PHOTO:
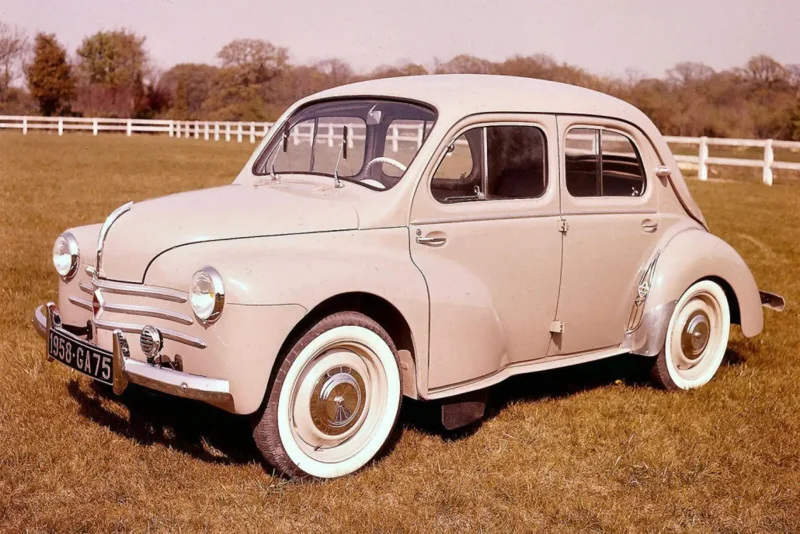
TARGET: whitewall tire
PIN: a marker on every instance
(334, 401)
(697, 338)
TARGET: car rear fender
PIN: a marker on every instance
(682, 259)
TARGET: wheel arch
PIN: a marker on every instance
(376, 308)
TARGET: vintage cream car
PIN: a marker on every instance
(424, 237)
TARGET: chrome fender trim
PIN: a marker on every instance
(648, 339)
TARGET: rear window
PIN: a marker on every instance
(602, 163)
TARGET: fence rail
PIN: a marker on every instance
(228, 130)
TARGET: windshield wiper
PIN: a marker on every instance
(342, 153)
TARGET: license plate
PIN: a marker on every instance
(80, 355)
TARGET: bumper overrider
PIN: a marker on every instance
(126, 370)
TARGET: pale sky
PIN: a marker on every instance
(603, 36)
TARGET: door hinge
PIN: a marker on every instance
(556, 327)
(563, 226)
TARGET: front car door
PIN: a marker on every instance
(485, 234)
(609, 202)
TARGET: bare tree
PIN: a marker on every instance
(13, 46)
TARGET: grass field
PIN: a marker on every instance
(588, 448)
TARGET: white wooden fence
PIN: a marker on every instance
(218, 130)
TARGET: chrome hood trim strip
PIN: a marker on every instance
(101, 238)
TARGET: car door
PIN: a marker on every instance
(608, 200)
(484, 234)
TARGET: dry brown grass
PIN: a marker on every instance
(588, 448)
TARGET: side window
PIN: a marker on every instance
(493, 163)
(602, 163)
(623, 175)
(516, 162)
(460, 170)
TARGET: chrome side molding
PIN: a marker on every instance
(642, 290)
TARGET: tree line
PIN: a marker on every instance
(111, 74)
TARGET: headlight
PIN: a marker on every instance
(66, 256)
(207, 294)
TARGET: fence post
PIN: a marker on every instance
(216, 131)
(769, 158)
(171, 128)
(95, 127)
(178, 129)
(24, 125)
(239, 132)
(330, 135)
(197, 129)
(420, 133)
(130, 127)
(702, 160)
(395, 136)
(61, 126)
(252, 132)
(227, 131)
(266, 128)
(205, 133)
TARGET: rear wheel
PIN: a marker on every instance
(335, 399)
(697, 338)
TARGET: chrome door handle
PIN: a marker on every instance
(433, 241)
(649, 225)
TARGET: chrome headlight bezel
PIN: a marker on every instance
(210, 278)
(70, 244)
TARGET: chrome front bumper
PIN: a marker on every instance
(126, 370)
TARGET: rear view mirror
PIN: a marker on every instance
(345, 137)
(374, 116)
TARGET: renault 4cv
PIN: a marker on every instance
(425, 237)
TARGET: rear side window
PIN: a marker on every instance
(602, 163)
(493, 163)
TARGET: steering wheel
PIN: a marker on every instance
(382, 159)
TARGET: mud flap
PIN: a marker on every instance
(462, 410)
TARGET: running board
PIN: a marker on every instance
(542, 364)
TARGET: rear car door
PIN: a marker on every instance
(609, 202)
(484, 233)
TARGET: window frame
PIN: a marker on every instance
(484, 161)
(600, 129)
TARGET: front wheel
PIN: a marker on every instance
(697, 338)
(335, 399)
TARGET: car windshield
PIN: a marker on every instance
(383, 137)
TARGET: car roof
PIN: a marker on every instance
(463, 94)
(457, 95)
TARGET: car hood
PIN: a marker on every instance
(230, 212)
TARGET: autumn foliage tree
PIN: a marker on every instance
(49, 76)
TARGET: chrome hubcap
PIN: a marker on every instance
(695, 335)
(337, 400)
